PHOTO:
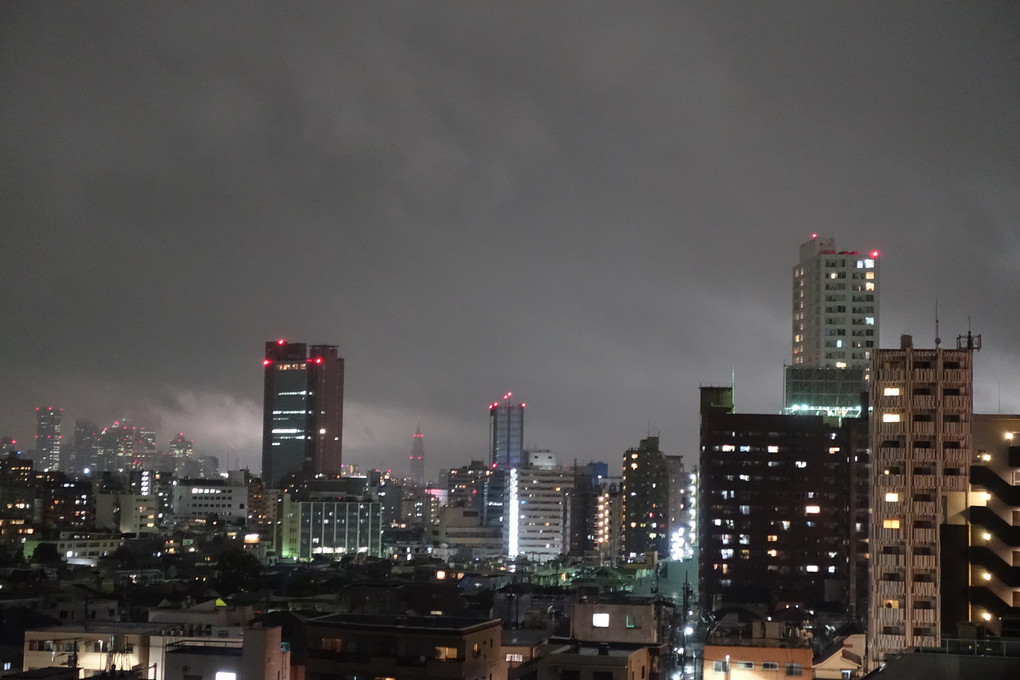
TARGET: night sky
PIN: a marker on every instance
(596, 206)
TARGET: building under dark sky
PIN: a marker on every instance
(302, 421)
(774, 509)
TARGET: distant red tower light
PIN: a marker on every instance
(266, 362)
(281, 341)
(874, 253)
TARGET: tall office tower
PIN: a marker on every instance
(49, 453)
(537, 513)
(303, 411)
(506, 433)
(835, 326)
(86, 446)
(417, 457)
(645, 500)
(920, 452)
(774, 523)
(988, 585)
(506, 451)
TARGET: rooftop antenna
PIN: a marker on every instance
(938, 340)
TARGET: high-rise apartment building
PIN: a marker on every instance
(921, 449)
(774, 519)
(645, 500)
(835, 306)
(49, 451)
(835, 329)
(417, 457)
(302, 419)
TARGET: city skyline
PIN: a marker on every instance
(596, 210)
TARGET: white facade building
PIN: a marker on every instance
(835, 306)
(203, 497)
(537, 507)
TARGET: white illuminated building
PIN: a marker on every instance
(204, 497)
(537, 507)
(835, 306)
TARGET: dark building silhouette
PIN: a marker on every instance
(775, 523)
(302, 420)
(645, 494)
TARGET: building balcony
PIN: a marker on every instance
(924, 615)
(955, 428)
(923, 401)
(890, 481)
(891, 428)
(889, 561)
(924, 481)
(961, 403)
(923, 589)
(922, 427)
(922, 561)
(954, 375)
(923, 536)
(888, 616)
(922, 508)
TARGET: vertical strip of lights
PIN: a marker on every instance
(513, 516)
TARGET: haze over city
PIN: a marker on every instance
(597, 209)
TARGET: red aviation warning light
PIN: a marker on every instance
(266, 362)
(874, 253)
(281, 341)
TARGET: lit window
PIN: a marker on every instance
(813, 568)
(891, 392)
(773, 553)
(772, 538)
(225, 675)
(812, 510)
(600, 620)
(890, 417)
(892, 497)
(773, 449)
(890, 524)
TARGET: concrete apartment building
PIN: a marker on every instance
(921, 452)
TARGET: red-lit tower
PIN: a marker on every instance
(302, 420)
(417, 457)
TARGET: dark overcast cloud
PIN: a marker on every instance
(595, 206)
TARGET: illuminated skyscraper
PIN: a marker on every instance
(835, 306)
(506, 433)
(302, 420)
(48, 447)
(835, 329)
(417, 457)
(506, 452)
